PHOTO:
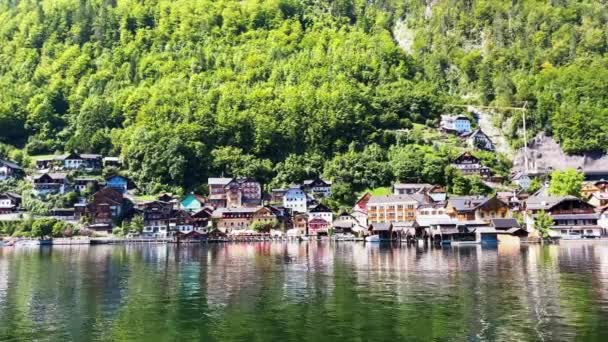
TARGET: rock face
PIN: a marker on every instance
(546, 155)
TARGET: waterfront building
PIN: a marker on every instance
(300, 222)
(322, 212)
(157, 216)
(318, 226)
(572, 217)
(82, 184)
(230, 220)
(392, 208)
(477, 208)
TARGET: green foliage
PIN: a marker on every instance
(566, 182)
(417, 164)
(542, 224)
(187, 89)
(551, 54)
(137, 224)
(43, 227)
(264, 227)
(535, 185)
(469, 185)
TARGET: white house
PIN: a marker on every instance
(321, 212)
(456, 124)
(295, 199)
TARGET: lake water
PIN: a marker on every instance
(304, 292)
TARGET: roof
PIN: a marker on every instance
(412, 185)
(465, 203)
(435, 221)
(546, 202)
(504, 223)
(393, 199)
(221, 211)
(381, 226)
(90, 156)
(10, 164)
(342, 224)
(117, 159)
(575, 217)
(219, 181)
(52, 175)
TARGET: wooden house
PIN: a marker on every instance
(9, 169)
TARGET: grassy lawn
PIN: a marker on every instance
(382, 191)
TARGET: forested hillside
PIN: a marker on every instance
(273, 89)
(551, 53)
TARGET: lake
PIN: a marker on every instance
(311, 291)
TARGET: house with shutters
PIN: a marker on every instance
(157, 216)
(231, 220)
(9, 169)
(317, 187)
(120, 183)
(9, 202)
(572, 217)
(50, 183)
(105, 207)
(477, 208)
(481, 141)
(469, 165)
(322, 212)
(455, 124)
(83, 161)
(393, 208)
(295, 199)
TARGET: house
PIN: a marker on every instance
(192, 202)
(9, 169)
(295, 199)
(119, 183)
(359, 211)
(477, 208)
(508, 230)
(74, 161)
(589, 188)
(456, 124)
(318, 227)
(230, 220)
(217, 193)
(276, 195)
(246, 192)
(82, 184)
(300, 222)
(202, 219)
(481, 141)
(392, 208)
(432, 211)
(106, 206)
(410, 188)
(9, 202)
(50, 183)
(45, 163)
(522, 180)
(469, 165)
(603, 219)
(317, 187)
(283, 217)
(181, 223)
(572, 217)
(321, 211)
(157, 216)
(265, 215)
(599, 199)
(383, 229)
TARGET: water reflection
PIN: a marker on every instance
(304, 291)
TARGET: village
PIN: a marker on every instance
(240, 209)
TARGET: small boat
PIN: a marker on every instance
(304, 238)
